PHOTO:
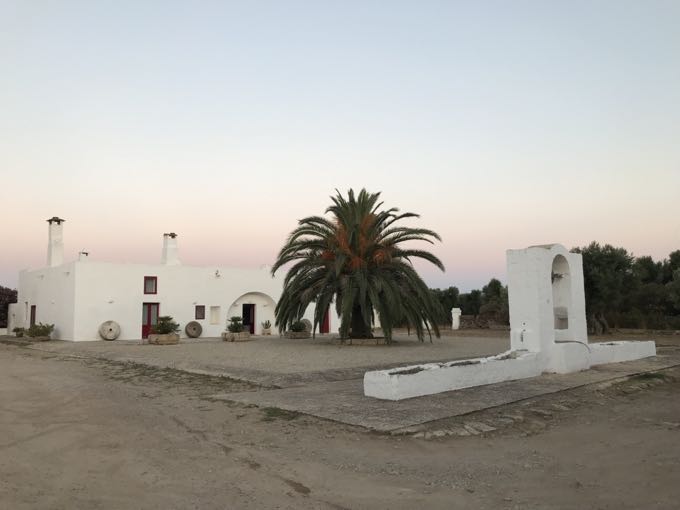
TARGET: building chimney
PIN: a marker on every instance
(170, 255)
(55, 242)
(82, 256)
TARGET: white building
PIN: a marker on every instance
(78, 296)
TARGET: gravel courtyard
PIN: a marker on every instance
(84, 433)
(278, 361)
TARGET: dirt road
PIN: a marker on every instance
(100, 435)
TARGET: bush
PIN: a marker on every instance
(634, 319)
(267, 324)
(673, 322)
(19, 332)
(297, 327)
(165, 325)
(40, 329)
(235, 325)
(7, 296)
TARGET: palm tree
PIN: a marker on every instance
(358, 260)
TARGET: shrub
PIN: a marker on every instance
(40, 329)
(165, 325)
(297, 327)
(267, 324)
(673, 322)
(19, 332)
(235, 325)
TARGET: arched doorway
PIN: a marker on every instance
(254, 308)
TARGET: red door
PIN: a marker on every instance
(32, 315)
(326, 324)
(149, 317)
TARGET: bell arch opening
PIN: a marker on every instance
(561, 292)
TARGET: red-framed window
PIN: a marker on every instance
(200, 312)
(150, 285)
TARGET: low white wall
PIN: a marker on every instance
(564, 358)
(419, 380)
(616, 352)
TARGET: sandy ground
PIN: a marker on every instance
(95, 434)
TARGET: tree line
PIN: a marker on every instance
(621, 291)
(7, 296)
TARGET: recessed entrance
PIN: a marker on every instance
(254, 308)
(149, 317)
(248, 314)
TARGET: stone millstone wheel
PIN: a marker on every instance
(109, 330)
(308, 325)
(193, 329)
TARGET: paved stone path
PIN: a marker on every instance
(345, 402)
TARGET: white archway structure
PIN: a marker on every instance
(548, 333)
(548, 307)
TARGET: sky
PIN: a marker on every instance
(503, 124)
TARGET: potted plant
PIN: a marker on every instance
(298, 329)
(235, 331)
(19, 332)
(267, 328)
(164, 332)
(40, 332)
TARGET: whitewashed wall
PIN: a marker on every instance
(108, 291)
(79, 296)
(52, 291)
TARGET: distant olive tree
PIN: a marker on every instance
(621, 291)
(495, 302)
(7, 296)
(470, 302)
(607, 275)
(448, 299)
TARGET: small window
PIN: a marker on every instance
(214, 315)
(200, 312)
(150, 284)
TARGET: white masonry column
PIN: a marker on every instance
(55, 242)
(170, 255)
(455, 318)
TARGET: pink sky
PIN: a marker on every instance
(248, 231)
(503, 124)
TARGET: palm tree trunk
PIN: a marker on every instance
(358, 328)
